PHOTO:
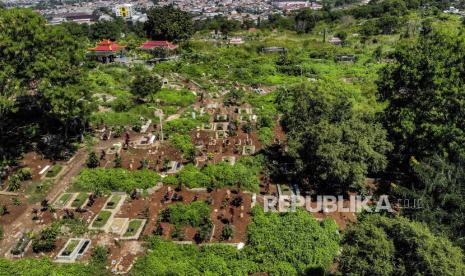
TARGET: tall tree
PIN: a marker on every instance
(396, 246)
(334, 146)
(425, 91)
(169, 23)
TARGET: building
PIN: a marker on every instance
(124, 10)
(106, 51)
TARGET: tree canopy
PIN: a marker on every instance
(425, 91)
(396, 246)
(333, 145)
(168, 23)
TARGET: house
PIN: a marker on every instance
(106, 51)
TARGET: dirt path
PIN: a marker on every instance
(24, 222)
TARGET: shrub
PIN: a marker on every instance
(195, 214)
(45, 242)
(227, 233)
(24, 174)
(115, 179)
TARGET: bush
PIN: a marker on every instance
(195, 214)
(227, 233)
(115, 179)
(45, 242)
(92, 160)
(24, 174)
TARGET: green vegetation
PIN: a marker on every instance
(117, 179)
(184, 144)
(195, 214)
(37, 191)
(396, 246)
(243, 174)
(333, 145)
(311, 248)
(45, 240)
(45, 266)
(102, 219)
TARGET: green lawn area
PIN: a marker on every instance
(133, 227)
(79, 200)
(102, 219)
(113, 202)
(54, 171)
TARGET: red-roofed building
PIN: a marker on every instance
(164, 44)
(106, 51)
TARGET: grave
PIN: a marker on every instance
(64, 200)
(21, 246)
(133, 229)
(114, 149)
(145, 126)
(144, 142)
(248, 150)
(73, 249)
(229, 159)
(118, 226)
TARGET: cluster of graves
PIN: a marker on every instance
(225, 138)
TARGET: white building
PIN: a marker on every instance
(124, 10)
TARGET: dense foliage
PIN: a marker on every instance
(396, 246)
(333, 145)
(244, 175)
(195, 214)
(280, 244)
(108, 180)
(168, 23)
(424, 87)
(45, 267)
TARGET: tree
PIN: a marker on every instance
(168, 23)
(112, 30)
(145, 84)
(439, 187)
(334, 146)
(35, 57)
(424, 89)
(306, 20)
(396, 246)
(92, 160)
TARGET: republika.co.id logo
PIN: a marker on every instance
(330, 204)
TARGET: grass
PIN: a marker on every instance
(54, 171)
(70, 247)
(102, 219)
(113, 202)
(64, 199)
(133, 227)
(37, 191)
(79, 200)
